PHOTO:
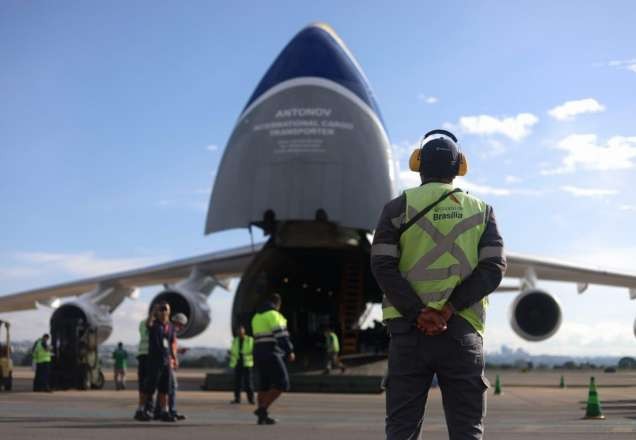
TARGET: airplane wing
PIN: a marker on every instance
(221, 265)
(522, 266)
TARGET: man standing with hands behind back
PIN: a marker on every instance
(436, 254)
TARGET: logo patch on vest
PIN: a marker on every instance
(447, 213)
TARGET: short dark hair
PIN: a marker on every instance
(45, 335)
(275, 299)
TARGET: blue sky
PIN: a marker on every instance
(114, 116)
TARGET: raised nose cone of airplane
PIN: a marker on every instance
(309, 143)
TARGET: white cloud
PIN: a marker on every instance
(513, 179)
(627, 64)
(7, 273)
(410, 179)
(569, 109)
(80, 264)
(481, 189)
(627, 207)
(428, 99)
(212, 147)
(588, 192)
(583, 150)
(513, 127)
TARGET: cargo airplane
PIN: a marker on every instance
(310, 163)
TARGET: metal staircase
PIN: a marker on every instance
(351, 304)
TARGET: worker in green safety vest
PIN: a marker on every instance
(271, 346)
(436, 255)
(242, 361)
(42, 360)
(332, 351)
(145, 403)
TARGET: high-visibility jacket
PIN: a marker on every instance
(269, 328)
(40, 354)
(441, 248)
(143, 339)
(332, 344)
(247, 351)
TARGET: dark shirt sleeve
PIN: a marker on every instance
(385, 258)
(283, 340)
(155, 334)
(490, 269)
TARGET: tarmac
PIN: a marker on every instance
(531, 406)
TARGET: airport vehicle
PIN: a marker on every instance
(6, 364)
(287, 169)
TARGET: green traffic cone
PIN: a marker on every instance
(562, 383)
(498, 391)
(593, 410)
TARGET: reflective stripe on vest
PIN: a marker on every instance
(248, 348)
(441, 249)
(269, 325)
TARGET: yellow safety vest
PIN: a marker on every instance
(144, 336)
(40, 354)
(266, 326)
(441, 249)
(333, 346)
(248, 349)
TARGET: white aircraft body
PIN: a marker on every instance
(310, 163)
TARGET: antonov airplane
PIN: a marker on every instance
(310, 163)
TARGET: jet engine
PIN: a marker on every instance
(78, 316)
(190, 297)
(77, 329)
(535, 315)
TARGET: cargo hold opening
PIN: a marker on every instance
(319, 287)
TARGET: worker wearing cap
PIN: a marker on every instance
(242, 361)
(436, 255)
(271, 346)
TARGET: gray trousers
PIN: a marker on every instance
(457, 357)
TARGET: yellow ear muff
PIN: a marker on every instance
(463, 165)
(415, 160)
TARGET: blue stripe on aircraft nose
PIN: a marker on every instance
(316, 51)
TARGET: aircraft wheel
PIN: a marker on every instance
(100, 381)
(8, 382)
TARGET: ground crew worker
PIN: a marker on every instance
(121, 363)
(242, 361)
(271, 345)
(42, 360)
(332, 350)
(161, 336)
(436, 254)
(142, 359)
(179, 320)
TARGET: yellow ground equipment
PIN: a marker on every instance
(6, 365)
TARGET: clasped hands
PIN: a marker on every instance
(432, 322)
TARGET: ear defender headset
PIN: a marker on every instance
(459, 165)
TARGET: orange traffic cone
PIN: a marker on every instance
(593, 410)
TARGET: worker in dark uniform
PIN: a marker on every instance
(436, 255)
(161, 337)
(242, 361)
(271, 346)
